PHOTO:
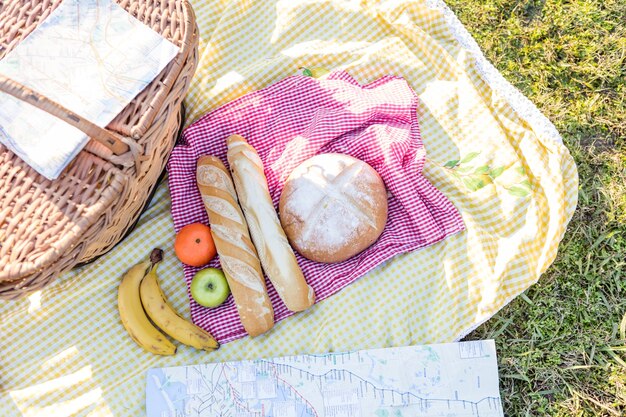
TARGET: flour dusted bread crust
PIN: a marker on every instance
(277, 257)
(238, 256)
(332, 207)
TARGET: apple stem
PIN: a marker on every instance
(156, 256)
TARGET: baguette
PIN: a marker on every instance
(275, 253)
(237, 254)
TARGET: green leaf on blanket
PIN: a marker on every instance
(482, 170)
(476, 177)
(317, 72)
(474, 182)
(469, 157)
(518, 191)
(496, 172)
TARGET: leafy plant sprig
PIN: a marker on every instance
(315, 72)
(476, 177)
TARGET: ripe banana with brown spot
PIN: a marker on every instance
(134, 317)
(167, 319)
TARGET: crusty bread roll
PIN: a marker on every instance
(332, 207)
(238, 256)
(277, 257)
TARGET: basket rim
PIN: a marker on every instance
(16, 272)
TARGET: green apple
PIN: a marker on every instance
(209, 287)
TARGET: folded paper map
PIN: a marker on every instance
(90, 56)
(453, 380)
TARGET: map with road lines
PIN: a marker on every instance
(451, 380)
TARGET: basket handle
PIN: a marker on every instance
(109, 139)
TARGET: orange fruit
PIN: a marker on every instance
(194, 245)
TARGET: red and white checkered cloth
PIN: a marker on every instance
(293, 120)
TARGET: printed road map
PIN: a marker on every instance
(454, 379)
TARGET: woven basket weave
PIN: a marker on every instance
(48, 227)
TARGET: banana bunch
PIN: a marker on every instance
(140, 299)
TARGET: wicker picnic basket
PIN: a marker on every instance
(48, 227)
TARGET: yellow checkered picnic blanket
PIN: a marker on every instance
(64, 351)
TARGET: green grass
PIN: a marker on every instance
(561, 345)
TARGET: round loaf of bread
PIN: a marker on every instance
(333, 206)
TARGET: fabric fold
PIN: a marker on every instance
(295, 119)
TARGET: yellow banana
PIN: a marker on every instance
(168, 320)
(133, 316)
